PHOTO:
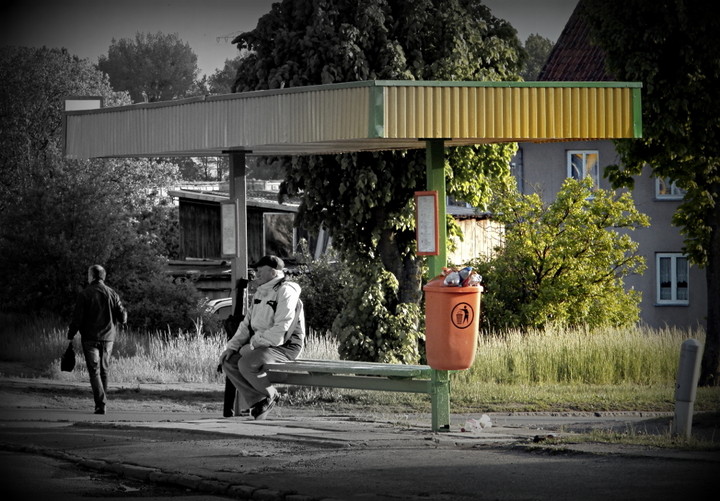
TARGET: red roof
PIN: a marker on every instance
(574, 57)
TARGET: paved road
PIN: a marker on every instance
(298, 455)
(37, 477)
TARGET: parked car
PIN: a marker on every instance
(221, 308)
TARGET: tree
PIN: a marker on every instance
(59, 216)
(35, 82)
(221, 82)
(672, 47)
(153, 67)
(365, 199)
(563, 263)
(538, 49)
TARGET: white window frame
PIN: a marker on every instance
(594, 171)
(676, 298)
(673, 193)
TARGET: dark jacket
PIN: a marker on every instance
(97, 310)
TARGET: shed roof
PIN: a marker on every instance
(359, 116)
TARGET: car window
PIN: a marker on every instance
(223, 312)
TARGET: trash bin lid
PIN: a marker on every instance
(437, 284)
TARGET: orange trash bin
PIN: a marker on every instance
(451, 324)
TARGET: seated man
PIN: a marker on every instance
(272, 331)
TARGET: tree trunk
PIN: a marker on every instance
(710, 368)
(406, 270)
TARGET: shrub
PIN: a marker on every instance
(161, 304)
(563, 263)
(324, 283)
(373, 326)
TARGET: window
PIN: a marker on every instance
(666, 190)
(517, 170)
(673, 275)
(582, 164)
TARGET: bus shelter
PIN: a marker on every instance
(350, 117)
(357, 116)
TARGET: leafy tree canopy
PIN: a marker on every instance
(538, 49)
(563, 263)
(365, 199)
(153, 67)
(672, 47)
(59, 216)
(35, 83)
(222, 81)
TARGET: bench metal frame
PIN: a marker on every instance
(370, 376)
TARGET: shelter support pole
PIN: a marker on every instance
(238, 196)
(239, 262)
(435, 168)
(435, 172)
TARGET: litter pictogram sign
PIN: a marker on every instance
(462, 315)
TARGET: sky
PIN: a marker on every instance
(87, 27)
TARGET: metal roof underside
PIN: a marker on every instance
(359, 116)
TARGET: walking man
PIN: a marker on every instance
(97, 310)
(272, 331)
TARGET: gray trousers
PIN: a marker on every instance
(97, 358)
(248, 375)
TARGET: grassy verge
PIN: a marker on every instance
(555, 370)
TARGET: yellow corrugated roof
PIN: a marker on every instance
(359, 116)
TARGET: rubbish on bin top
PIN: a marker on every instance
(464, 277)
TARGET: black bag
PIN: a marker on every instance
(67, 363)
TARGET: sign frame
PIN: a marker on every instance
(228, 229)
(427, 229)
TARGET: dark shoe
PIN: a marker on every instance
(99, 410)
(242, 413)
(260, 410)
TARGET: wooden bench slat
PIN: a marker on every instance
(406, 385)
(350, 367)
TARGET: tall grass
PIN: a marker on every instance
(632, 356)
(138, 357)
(580, 356)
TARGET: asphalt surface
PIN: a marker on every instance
(300, 454)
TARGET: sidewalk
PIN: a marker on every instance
(295, 457)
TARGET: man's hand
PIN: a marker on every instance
(225, 355)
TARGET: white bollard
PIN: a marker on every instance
(686, 387)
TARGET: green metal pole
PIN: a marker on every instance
(435, 168)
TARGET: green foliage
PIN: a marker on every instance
(158, 303)
(325, 286)
(153, 67)
(221, 82)
(672, 47)
(374, 326)
(563, 263)
(538, 49)
(35, 82)
(365, 199)
(161, 224)
(58, 216)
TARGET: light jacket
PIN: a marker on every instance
(269, 316)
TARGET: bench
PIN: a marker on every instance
(370, 376)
